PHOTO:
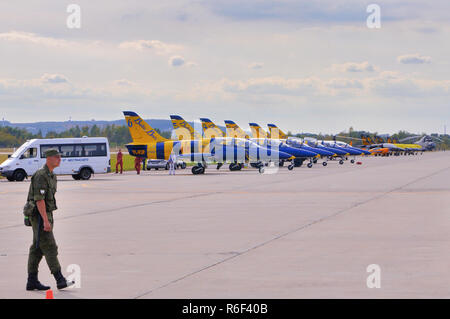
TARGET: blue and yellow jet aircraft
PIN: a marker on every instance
(149, 144)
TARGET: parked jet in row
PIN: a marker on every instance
(149, 144)
(233, 131)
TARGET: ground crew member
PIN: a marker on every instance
(144, 161)
(137, 164)
(42, 194)
(119, 162)
(172, 162)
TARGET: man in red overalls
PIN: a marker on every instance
(137, 164)
(119, 162)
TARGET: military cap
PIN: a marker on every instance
(51, 152)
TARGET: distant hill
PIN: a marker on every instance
(58, 127)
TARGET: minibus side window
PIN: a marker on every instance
(92, 150)
(46, 147)
(79, 150)
(67, 150)
(30, 153)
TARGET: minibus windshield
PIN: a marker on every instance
(19, 151)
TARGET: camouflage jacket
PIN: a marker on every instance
(43, 187)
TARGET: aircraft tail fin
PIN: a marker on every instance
(183, 129)
(233, 130)
(211, 130)
(141, 131)
(276, 133)
(378, 139)
(366, 140)
(257, 131)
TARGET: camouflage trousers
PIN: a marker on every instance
(44, 245)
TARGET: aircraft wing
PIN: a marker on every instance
(196, 157)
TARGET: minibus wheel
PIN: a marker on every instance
(19, 175)
(85, 173)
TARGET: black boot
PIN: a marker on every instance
(61, 282)
(34, 284)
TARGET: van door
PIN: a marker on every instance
(29, 160)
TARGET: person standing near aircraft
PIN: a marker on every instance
(137, 164)
(144, 161)
(119, 162)
(42, 194)
(171, 162)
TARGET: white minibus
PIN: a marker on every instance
(80, 157)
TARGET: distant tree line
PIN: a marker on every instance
(117, 134)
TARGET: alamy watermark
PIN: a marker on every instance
(374, 279)
(74, 19)
(374, 19)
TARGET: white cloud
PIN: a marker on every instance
(414, 59)
(124, 82)
(345, 84)
(54, 78)
(16, 36)
(57, 86)
(256, 65)
(176, 61)
(191, 64)
(273, 85)
(354, 67)
(155, 46)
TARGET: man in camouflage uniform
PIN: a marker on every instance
(42, 192)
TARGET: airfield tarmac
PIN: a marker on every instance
(306, 233)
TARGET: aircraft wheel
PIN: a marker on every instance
(309, 165)
(315, 160)
(234, 167)
(298, 162)
(324, 163)
(183, 166)
(261, 169)
(291, 167)
(341, 162)
(352, 161)
(197, 170)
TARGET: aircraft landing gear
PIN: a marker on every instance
(352, 161)
(235, 167)
(298, 162)
(324, 163)
(261, 169)
(291, 167)
(281, 163)
(310, 165)
(198, 169)
(219, 165)
(341, 162)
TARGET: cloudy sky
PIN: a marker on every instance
(304, 65)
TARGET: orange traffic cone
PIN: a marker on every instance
(49, 294)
